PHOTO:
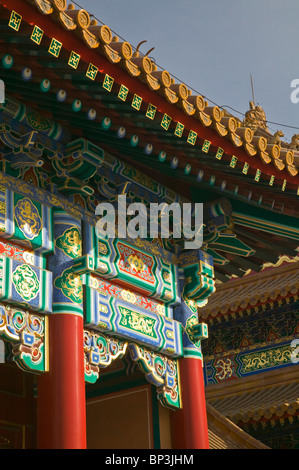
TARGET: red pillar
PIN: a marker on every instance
(189, 424)
(61, 412)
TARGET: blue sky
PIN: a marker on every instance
(214, 45)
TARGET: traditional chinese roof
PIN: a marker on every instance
(253, 290)
(183, 125)
(250, 139)
(224, 434)
(270, 397)
(270, 402)
(62, 65)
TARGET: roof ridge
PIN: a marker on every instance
(241, 140)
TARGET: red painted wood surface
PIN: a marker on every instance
(61, 412)
(189, 424)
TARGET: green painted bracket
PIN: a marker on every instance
(199, 331)
(83, 265)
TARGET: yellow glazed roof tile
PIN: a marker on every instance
(268, 403)
(264, 287)
(251, 135)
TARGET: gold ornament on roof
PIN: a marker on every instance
(61, 5)
(276, 138)
(255, 117)
(295, 142)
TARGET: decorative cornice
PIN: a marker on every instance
(269, 396)
(262, 288)
(282, 158)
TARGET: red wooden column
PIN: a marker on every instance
(61, 422)
(61, 408)
(189, 424)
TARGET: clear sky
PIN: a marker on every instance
(214, 45)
